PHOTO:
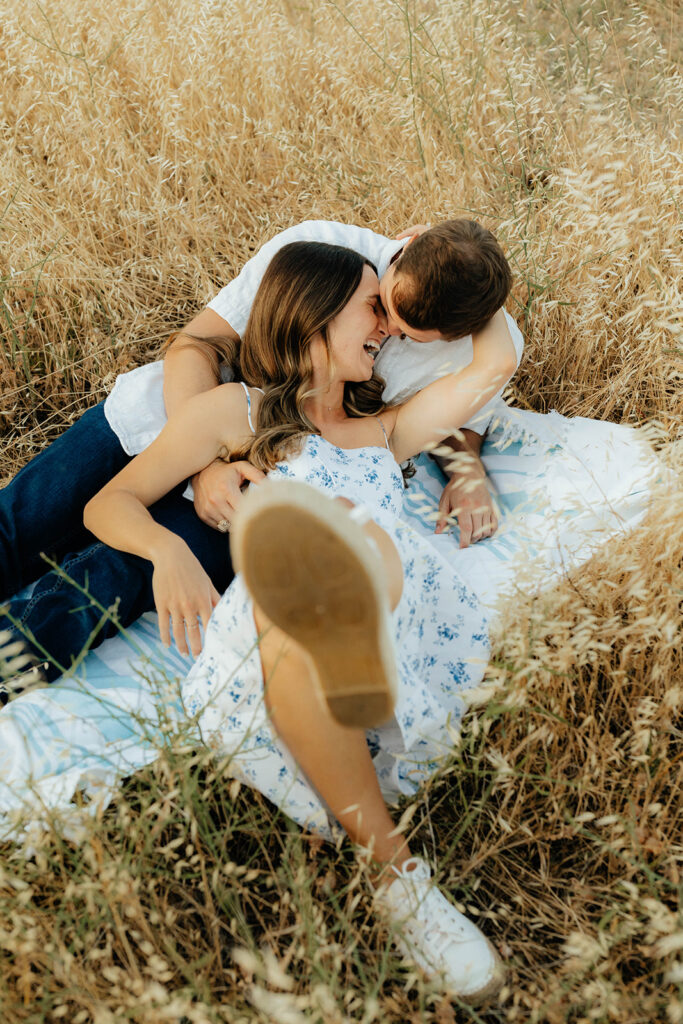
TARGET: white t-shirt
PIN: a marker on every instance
(135, 408)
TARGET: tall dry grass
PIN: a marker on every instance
(148, 149)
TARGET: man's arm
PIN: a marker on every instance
(187, 371)
(467, 496)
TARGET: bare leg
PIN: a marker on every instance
(307, 571)
(335, 759)
(333, 756)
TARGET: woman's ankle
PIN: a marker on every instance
(382, 872)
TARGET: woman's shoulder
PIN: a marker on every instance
(226, 407)
(238, 387)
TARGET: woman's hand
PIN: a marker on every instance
(183, 594)
(218, 490)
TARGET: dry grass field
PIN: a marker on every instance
(148, 148)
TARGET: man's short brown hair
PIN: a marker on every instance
(451, 278)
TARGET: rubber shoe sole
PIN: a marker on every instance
(491, 990)
(475, 997)
(317, 576)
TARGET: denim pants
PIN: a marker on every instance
(41, 513)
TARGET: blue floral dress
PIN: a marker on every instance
(564, 488)
(441, 649)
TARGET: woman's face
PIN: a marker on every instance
(355, 335)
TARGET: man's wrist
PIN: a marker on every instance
(465, 469)
(472, 440)
(463, 458)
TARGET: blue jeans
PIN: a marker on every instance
(41, 512)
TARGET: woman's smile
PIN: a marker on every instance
(372, 347)
(361, 324)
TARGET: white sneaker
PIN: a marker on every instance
(434, 935)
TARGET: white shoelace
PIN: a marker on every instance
(425, 904)
(426, 917)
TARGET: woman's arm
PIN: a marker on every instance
(438, 410)
(117, 515)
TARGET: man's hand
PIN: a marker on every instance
(466, 497)
(218, 490)
(415, 229)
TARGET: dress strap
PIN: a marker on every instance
(386, 439)
(246, 391)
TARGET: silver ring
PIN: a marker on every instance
(223, 526)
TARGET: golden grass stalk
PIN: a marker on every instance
(147, 150)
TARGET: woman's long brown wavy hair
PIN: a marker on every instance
(306, 285)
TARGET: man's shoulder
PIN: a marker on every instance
(334, 231)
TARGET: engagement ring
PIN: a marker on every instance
(223, 526)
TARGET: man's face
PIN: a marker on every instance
(395, 325)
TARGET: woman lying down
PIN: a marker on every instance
(333, 666)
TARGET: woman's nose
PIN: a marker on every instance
(382, 323)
